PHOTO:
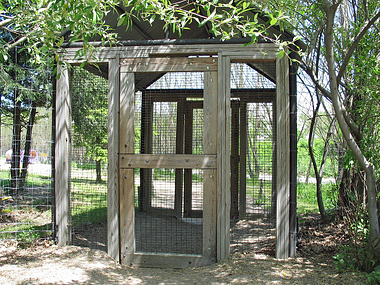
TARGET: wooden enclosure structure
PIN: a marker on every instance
(129, 68)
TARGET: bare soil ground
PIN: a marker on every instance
(49, 264)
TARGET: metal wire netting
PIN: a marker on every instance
(26, 157)
(88, 174)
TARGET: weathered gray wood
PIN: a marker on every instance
(243, 160)
(168, 64)
(223, 192)
(234, 159)
(102, 54)
(283, 158)
(126, 145)
(188, 178)
(179, 150)
(127, 213)
(113, 241)
(168, 260)
(127, 97)
(167, 161)
(146, 148)
(62, 160)
(210, 139)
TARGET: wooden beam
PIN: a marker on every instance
(113, 223)
(223, 192)
(179, 150)
(188, 177)
(62, 159)
(243, 160)
(126, 176)
(127, 213)
(104, 53)
(283, 158)
(168, 64)
(234, 159)
(167, 161)
(168, 260)
(210, 139)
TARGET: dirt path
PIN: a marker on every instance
(78, 265)
(49, 264)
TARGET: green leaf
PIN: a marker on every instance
(208, 18)
(281, 54)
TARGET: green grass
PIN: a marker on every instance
(307, 197)
(88, 201)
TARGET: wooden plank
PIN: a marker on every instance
(235, 159)
(243, 160)
(127, 109)
(179, 150)
(104, 53)
(113, 241)
(126, 179)
(168, 260)
(188, 177)
(167, 161)
(146, 182)
(62, 160)
(127, 213)
(283, 158)
(168, 64)
(210, 138)
(223, 195)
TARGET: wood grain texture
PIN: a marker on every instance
(283, 158)
(113, 241)
(62, 160)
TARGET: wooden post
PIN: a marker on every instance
(62, 159)
(223, 192)
(127, 136)
(243, 160)
(210, 175)
(283, 158)
(188, 195)
(235, 160)
(146, 147)
(113, 241)
(179, 150)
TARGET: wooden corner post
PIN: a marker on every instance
(223, 151)
(62, 159)
(283, 157)
(113, 233)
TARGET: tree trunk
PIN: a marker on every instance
(346, 131)
(98, 170)
(16, 142)
(28, 142)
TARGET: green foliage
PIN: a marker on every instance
(307, 201)
(42, 26)
(347, 258)
(374, 277)
(90, 113)
(27, 239)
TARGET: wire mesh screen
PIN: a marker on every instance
(26, 191)
(252, 146)
(88, 175)
(259, 159)
(169, 202)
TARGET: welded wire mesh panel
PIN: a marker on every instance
(169, 202)
(26, 191)
(253, 194)
(88, 174)
(259, 159)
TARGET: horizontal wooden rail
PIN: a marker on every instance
(189, 161)
(169, 64)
